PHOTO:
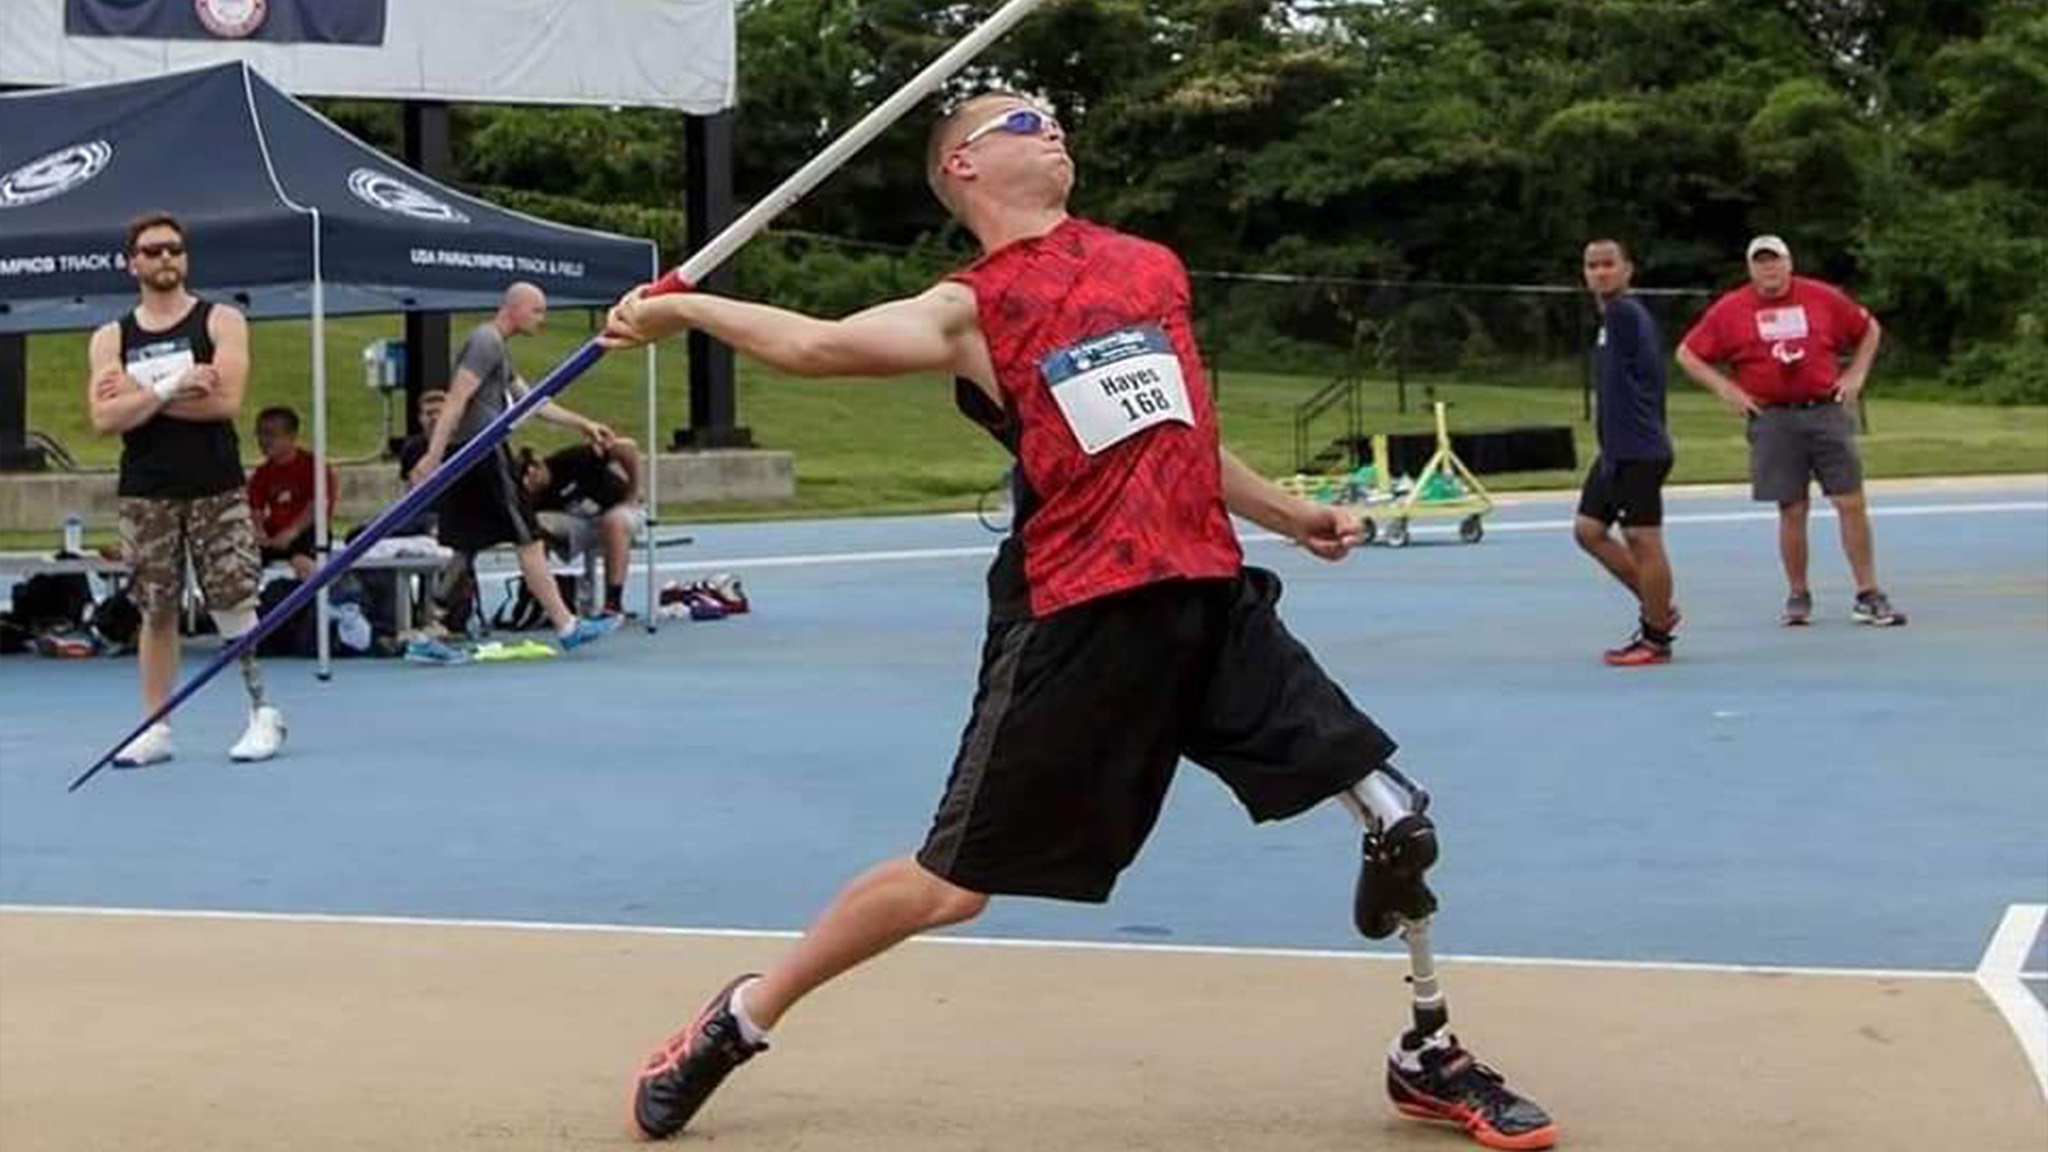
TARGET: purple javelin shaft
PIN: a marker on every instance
(408, 507)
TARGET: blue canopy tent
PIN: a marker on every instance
(288, 216)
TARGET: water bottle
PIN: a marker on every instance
(74, 534)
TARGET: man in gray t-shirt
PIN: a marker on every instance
(484, 356)
(487, 506)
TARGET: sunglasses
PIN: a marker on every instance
(155, 250)
(1015, 122)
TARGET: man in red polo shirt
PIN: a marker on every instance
(1783, 336)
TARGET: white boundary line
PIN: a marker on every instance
(1999, 975)
(909, 555)
(985, 942)
(958, 552)
(1771, 514)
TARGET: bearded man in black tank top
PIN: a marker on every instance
(169, 377)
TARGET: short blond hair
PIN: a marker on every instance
(939, 143)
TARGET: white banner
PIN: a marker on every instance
(638, 53)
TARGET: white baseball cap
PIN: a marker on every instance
(1769, 243)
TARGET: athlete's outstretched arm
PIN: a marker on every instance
(924, 333)
(1327, 531)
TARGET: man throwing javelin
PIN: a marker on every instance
(1124, 630)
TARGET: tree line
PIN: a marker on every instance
(1901, 146)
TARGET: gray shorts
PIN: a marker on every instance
(1789, 448)
(579, 534)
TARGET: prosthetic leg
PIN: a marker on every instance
(265, 734)
(1430, 1076)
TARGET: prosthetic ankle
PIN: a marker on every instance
(1399, 847)
(233, 624)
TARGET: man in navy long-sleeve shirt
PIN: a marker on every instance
(1625, 486)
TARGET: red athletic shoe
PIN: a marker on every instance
(728, 590)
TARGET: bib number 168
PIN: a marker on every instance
(1149, 402)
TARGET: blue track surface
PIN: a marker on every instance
(1839, 796)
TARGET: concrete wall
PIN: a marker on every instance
(39, 501)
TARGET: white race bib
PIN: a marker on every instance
(154, 362)
(1112, 387)
(1774, 324)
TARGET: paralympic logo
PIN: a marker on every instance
(231, 19)
(54, 174)
(390, 194)
(1787, 353)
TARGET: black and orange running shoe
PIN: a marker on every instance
(678, 1077)
(1442, 1082)
(1638, 652)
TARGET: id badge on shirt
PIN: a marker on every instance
(154, 362)
(1775, 324)
(1115, 386)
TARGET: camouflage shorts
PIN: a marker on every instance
(216, 532)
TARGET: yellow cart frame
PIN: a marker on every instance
(1399, 510)
(1469, 510)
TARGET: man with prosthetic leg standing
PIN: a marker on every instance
(1124, 631)
(168, 378)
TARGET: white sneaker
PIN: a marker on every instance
(263, 738)
(153, 746)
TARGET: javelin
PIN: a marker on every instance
(680, 279)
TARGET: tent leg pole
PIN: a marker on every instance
(651, 469)
(322, 536)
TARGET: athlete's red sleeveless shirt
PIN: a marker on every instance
(1107, 410)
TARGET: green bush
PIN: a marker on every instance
(805, 274)
(2013, 372)
(2009, 369)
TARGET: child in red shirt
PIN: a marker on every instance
(281, 492)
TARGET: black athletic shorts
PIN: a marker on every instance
(1627, 492)
(300, 545)
(1082, 716)
(487, 507)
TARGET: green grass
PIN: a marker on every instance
(281, 357)
(898, 446)
(1906, 438)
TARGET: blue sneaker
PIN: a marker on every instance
(587, 630)
(428, 650)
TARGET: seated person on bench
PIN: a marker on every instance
(281, 493)
(451, 593)
(589, 498)
(409, 453)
